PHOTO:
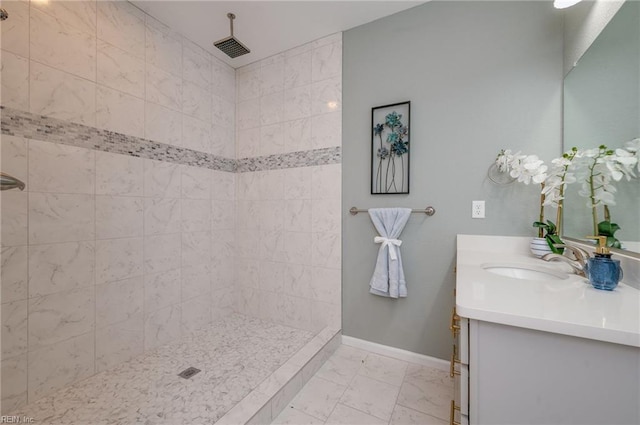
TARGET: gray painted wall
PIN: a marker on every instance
(481, 76)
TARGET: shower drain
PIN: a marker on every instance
(189, 372)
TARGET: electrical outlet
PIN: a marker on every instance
(477, 209)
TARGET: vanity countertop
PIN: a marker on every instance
(570, 306)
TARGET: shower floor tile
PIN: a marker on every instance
(235, 355)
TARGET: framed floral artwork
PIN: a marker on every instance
(390, 149)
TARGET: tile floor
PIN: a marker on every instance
(235, 354)
(356, 387)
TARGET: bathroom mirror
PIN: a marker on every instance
(602, 106)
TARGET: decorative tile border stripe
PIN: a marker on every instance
(47, 129)
(310, 158)
(38, 127)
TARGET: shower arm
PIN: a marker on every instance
(9, 182)
(231, 17)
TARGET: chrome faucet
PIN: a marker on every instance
(578, 263)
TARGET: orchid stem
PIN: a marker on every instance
(559, 219)
(540, 230)
(594, 211)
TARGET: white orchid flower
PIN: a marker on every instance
(552, 183)
(597, 169)
(529, 168)
(614, 171)
(623, 162)
(604, 197)
(505, 159)
(589, 153)
(626, 156)
(633, 146)
(570, 178)
(561, 162)
(558, 178)
(552, 198)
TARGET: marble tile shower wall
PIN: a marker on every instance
(105, 256)
(109, 65)
(288, 241)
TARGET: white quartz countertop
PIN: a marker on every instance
(570, 306)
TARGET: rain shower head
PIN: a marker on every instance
(230, 45)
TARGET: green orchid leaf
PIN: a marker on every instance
(613, 242)
(607, 228)
(552, 240)
(551, 228)
(604, 228)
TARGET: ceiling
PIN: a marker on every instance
(266, 27)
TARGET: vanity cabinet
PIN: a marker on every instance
(553, 351)
(513, 375)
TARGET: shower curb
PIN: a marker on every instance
(264, 404)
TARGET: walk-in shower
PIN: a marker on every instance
(138, 245)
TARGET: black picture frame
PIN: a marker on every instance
(390, 149)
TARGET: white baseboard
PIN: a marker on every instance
(396, 353)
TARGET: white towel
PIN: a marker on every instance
(388, 276)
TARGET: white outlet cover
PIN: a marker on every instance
(477, 209)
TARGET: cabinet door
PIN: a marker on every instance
(532, 377)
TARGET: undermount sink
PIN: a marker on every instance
(524, 271)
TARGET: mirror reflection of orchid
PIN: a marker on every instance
(391, 148)
(599, 168)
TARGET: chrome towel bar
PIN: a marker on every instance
(428, 211)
